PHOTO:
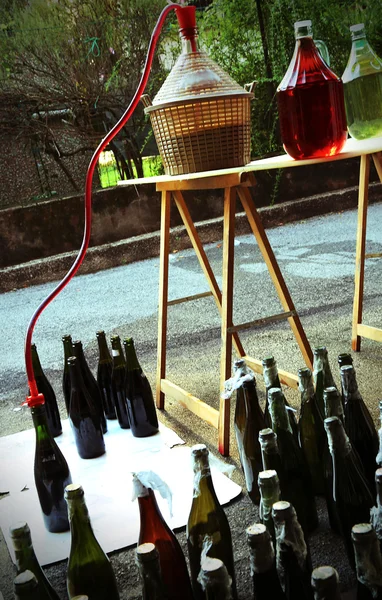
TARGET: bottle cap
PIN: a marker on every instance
(213, 572)
(378, 476)
(186, 16)
(74, 490)
(199, 450)
(81, 597)
(320, 350)
(358, 27)
(268, 480)
(324, 578)
(25, 580)
(304, 372)
(268, 361)
(20, 529)
(362, 532)
(282, 510)
(257, 534)
(239, 362)
(306, 23)
(146, 552)
(100, 333)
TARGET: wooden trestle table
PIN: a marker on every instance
(236, 181)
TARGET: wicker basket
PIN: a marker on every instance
(201, 118)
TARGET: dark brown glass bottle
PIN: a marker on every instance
(214, 579)
(104, 370)
(266, 584)
(359, 424)
(207, 523)
(269, 487)
(68, 351)
(51, 474)
(118, 382)
(139, 396)
(44, 387)
(90, 382)
(89, 568)
(294, 565)
(147, 559)
(297, 485)
(84, 415)
(325, 584)
(248, 424)
(322, 376)
(154, 529)
(352, 495)
(311, 430)
(26, 559)
(376, 511)
(368, 561)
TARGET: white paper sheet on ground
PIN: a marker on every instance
(107, 484)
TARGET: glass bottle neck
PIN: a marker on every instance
(40, 423)
(104, 354)
(37, 369)
(24, 552)
(76, 379)
(80, 526)
(189, 40)
(117, 352)
(131, 357)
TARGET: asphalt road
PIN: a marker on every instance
(316, 258)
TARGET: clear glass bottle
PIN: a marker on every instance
(266, 584)
(362, 80)
(26, 559)
(104, 370)
(368, 561)
(325, 584)
(89, 568)
(310, 102)
(207, 523)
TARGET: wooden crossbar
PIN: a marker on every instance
(263, 321)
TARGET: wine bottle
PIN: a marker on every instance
(344, 359)
(376, 511)
(104, 369)
(270, 454)
(351, 493)
(118, 382)
(359, 424)
(322, 376)
(25, 585)
(325, 584)
(269, 487)
(214, 579)
(333, 408)
(51, 474)
(293, 560)
(139, 396)
(89, 569)
(271, 380)
(332, 404)
(240, 371)
(68, 351)
(90, 382)
(44, 387)
(311, 430)
(266, 584)
(84, 415)
(297, 486)
(147, 559)
(154, 529)
(26, 559)
(248, 443)
(207, 525)
(379, 455)
(368, 560)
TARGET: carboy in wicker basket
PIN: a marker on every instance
(201, 117)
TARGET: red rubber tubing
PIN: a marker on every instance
(88, 205)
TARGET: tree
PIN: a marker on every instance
(83, 57)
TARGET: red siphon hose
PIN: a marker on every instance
(35, 398)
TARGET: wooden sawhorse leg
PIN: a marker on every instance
(163, 295)
(358, 329)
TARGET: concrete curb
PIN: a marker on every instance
(145, 246)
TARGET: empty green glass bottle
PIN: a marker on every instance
(90, 382)
(368, 561)
(26, 559)
(325, 584)
(44, 387)
(269, 487)
(359, 424)
(147, 559)
(207, 523)
(139, 396)
(118, 382)
(89, 569)
(311, 429)
(293, 560)
(51, 474)
(352, 495)
(25, 585)
(104, 370)
(266, 584)
(376, 511)
(84, 415)
(322, 376)
(214, 579)
(362, 80)
(297, 485)
(68, 351)
(248, 424)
